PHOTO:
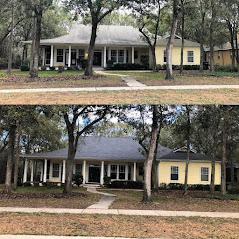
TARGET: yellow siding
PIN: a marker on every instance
(177, 55)
(222, 58)
(194, 172)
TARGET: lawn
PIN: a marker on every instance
(118, 226)
(41, 197)
(175, 201)
(189, 78)
(53, 79)
(220, 96)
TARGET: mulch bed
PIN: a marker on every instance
(40, 195)
(27, 79)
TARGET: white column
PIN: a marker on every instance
(132, 55)
(45, 171)
(134, 176)
(52, 56)
(109, 53)
(125, 55)
(32, 171)
(25, 171)
(84, 172)
(69, 59)
(43, 56)
(64, 172)
(109, 170)
(126, 172)
(41, 178)
(105, 52)
(102, 173)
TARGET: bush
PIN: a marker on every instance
(2, 74)
(126, 184)
(60, 69)
(110, 64)
(107, 181)
(226, 68)
(43, 68)
(25, 68)
(126, 66)
(83, 63)
(78, 179)
(177, 67)
(233, 189)
(179, 186)
(52, 68)
(144, 59)
(3, 63)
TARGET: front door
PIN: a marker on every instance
(94, 174)
(97, 58)
(73, 58)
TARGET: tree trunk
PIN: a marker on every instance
(154, 171)
(230, 28)
(202, 38)
(211, 37)
(212, 184)
(17, 157)
(9, 71)
(232, 173)
(169, 49)
(11, 146)
(89, 66)
(149, 160)
(183, 26)
(35, 64)
(224, 153)
(237, 50)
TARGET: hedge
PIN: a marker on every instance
(126, 184)
(226, 68)
(179, 186)
(177, 67)
(125, 66)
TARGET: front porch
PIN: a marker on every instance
(70, 56)
(93, 172)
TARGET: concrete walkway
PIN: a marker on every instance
(58, 237)
(157, 213)
(104, 202)
(135, 88)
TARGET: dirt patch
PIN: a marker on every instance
(117, 226)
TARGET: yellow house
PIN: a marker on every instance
(191, 54)
(120, 159)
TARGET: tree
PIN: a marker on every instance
(91, 115)
(97, 10)
(169, 49)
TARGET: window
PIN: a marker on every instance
(218, 56)
(59, 55)
(164, 56)
(114, 55)
(122, 172)
(190, 56)
(141, 171)
(129, 173)
(48, 55)
(127, 56)
(81, 54)
(174, 173)
(78, 169)
(204, 174)
(55, 170)
(113, 173)
(136, 55)
(121, 56)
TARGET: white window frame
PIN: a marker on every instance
(170, 173)
(55, 170)
(164, 56)
(122, 172)
(190, 57)
(204, 174)
(81, 167)
(114, 171)
(61, 49)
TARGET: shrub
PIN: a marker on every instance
(52, 68)
(110, 64)
(226, 68)
(25, 68)
(126, 66)
(2, 74)
(179, 186)
(3, 63)
(177, 67)
(233, 188)
(43, 68)
(83, 63)
(60, 69)
(78, 179)
(107, 180)
(144, 59)
(126, 184)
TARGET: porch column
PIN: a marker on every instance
(105, 52)
(109, 53)
(64, 172)
(45, 171)
(25, 171)
(102, 173)
(109, 170)
(84, 172)
(134, 176)
(41, 178)
(126, 172)
(69, 59)
(43, 56)
(125, 55)
(52, 56)
(32, 171)
(132, 55)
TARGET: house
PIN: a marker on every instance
(120, 159)
(121, 44)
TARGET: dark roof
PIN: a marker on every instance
(179, 155)
(107, 148)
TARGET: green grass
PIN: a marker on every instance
(3, 74)
(51, 73)
(32, 189)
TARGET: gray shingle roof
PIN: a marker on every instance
(178, 43)
(108, 148)
(179, 155)
(106, 35)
